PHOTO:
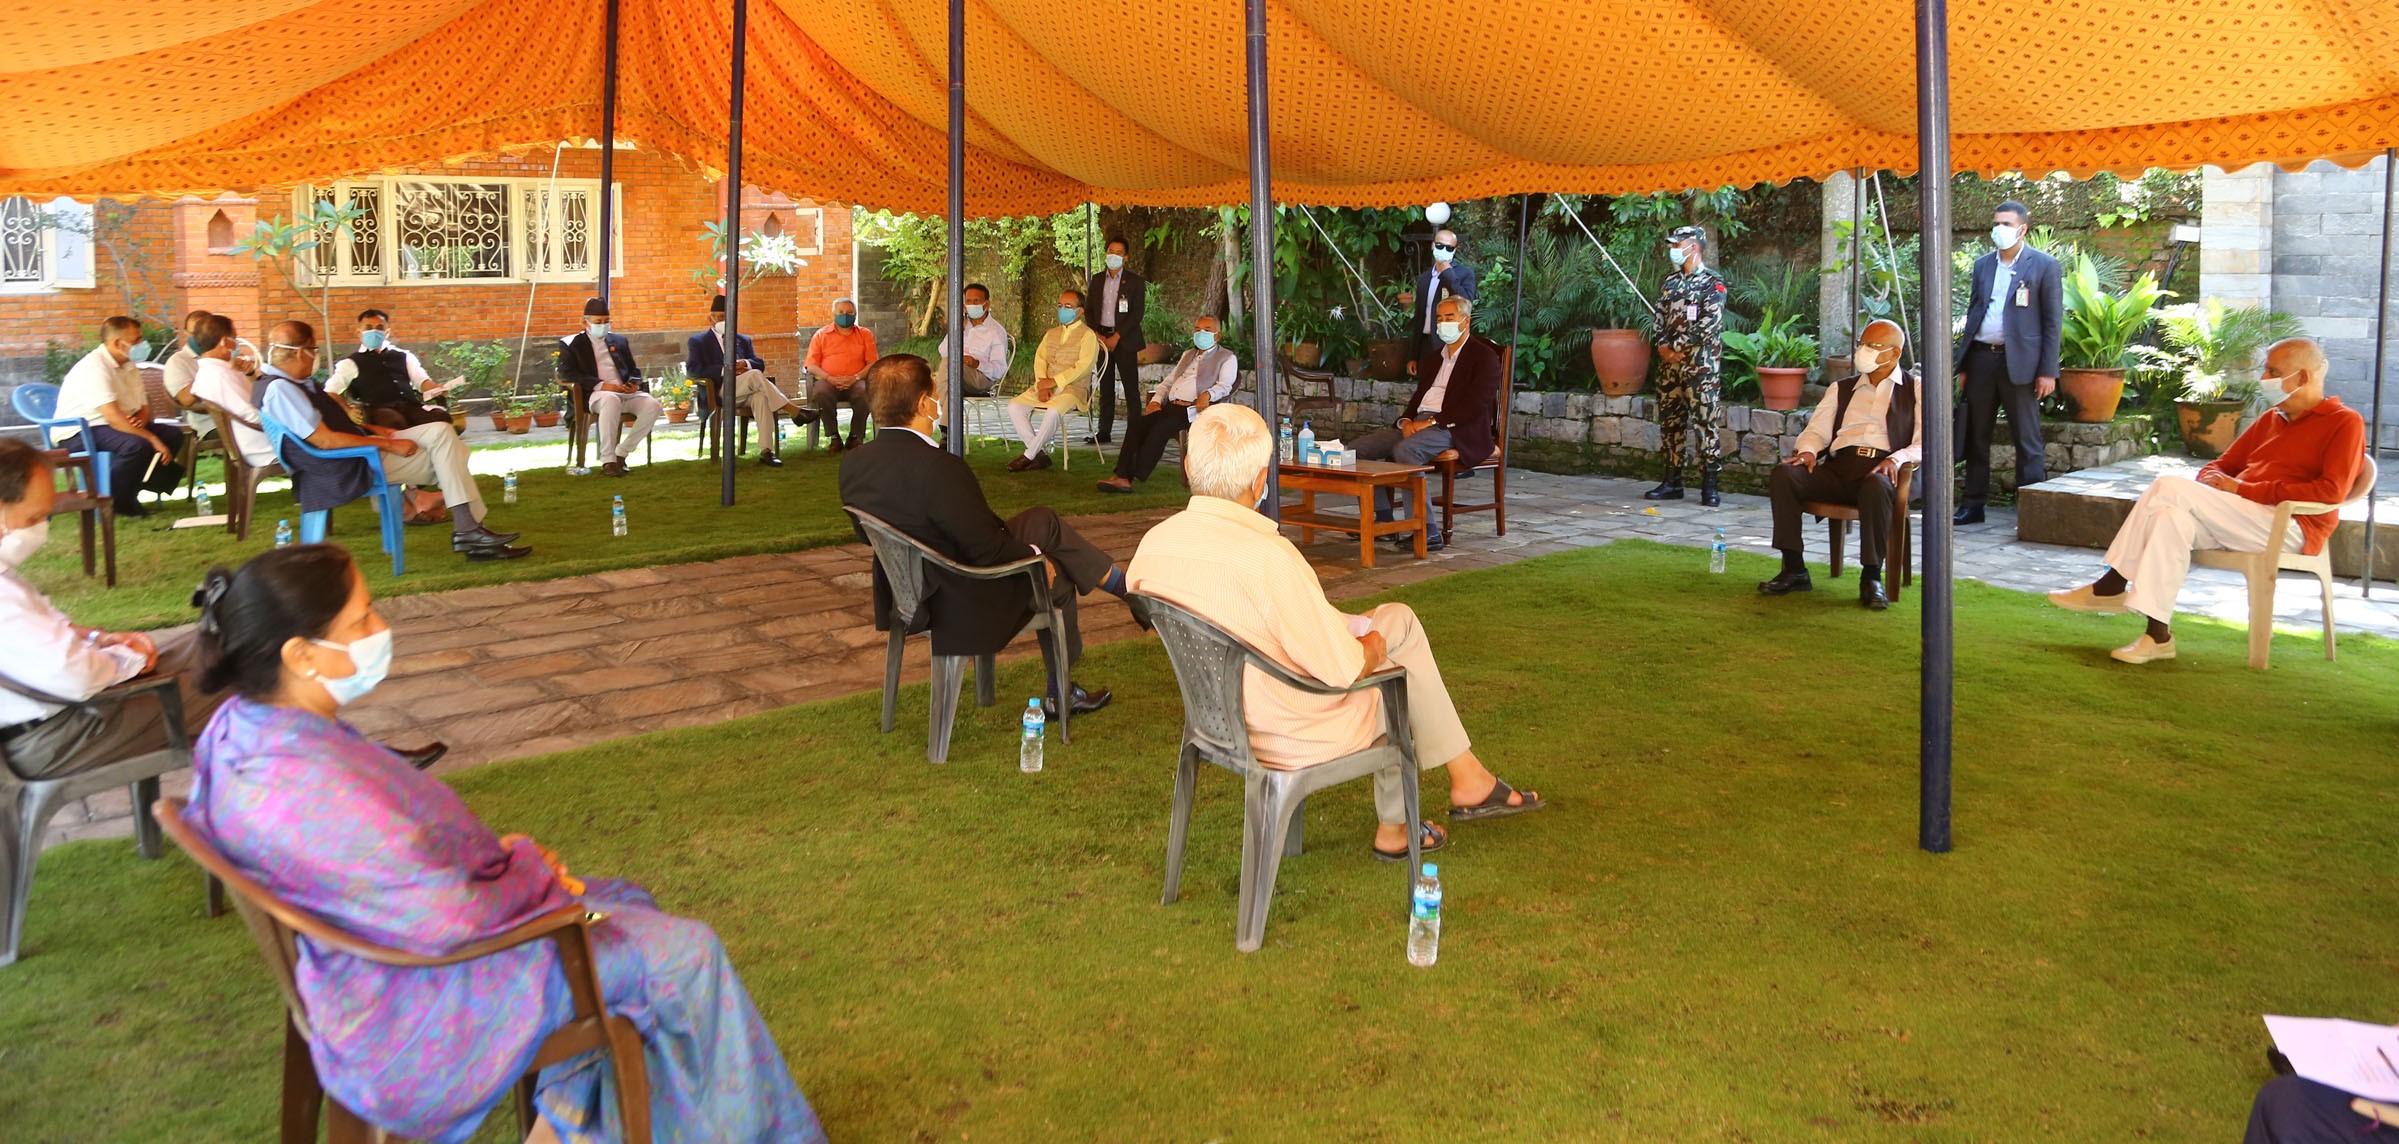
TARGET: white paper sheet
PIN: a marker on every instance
(2355, 1057)
(1360, 625)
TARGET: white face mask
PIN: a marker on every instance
(2275, 393)
(2005, 237)
(1865, 358)
(1441, 254)
(1116, 262)
(720, 328)
(974, 311)
(19, 544)
(1450, 332)
(598, 329)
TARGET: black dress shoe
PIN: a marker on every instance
(1085, 702)
(422, 757)
(1870, 594)
(1787, 583)
(1967, 516)
(486, 551)
(1669, 489)
(134, 511)
(770, 460)
(480, 538)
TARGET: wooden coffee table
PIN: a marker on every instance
(1358, 479)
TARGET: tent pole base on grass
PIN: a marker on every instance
(1932, 149)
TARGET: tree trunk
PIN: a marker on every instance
(1228, 254)
(934, 291)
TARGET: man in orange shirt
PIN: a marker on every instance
(836, 370)
(2309, 447)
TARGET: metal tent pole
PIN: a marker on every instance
(608, 155)
(724, 396)
(1857, 251)
(1090, 238)
(955, 401)
(1524, 225)
(1932, 191)
(1261, 248)
(2382, 339)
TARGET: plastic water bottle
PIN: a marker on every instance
(1306, 444)
(1424, 921)
(200, 499)
(1284, 444)
(508, 488)
(1028, 756)
(578, 470)
(1716, 554)
(283, 534)
(616, 516)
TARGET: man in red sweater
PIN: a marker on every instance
(2308, 448)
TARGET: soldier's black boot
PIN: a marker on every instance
(1669, 489)
(1707, 487)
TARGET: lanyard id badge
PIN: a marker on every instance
(2023, 294)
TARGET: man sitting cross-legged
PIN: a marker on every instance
(2310, 447)
(1455, 406)
(1222, 560)
(1204, 376)
(919, 488)
(1865, 428)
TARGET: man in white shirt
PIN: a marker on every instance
(182, 367)
(1866, 427)
(704, 362)
(50, 654)
(987, 346)
(387, 384)
(105, 390)
(1203, 376)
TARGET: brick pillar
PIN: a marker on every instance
(211, 276)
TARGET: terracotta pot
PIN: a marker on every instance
(1780, 386)
(1836, 368)
(519, 424)
(1306, 355)
(499, 421)
(1387, 359)
(1153, 353)
(2092, 392)
(2208, 427)
(677, 414)
(1621, 358)
(546, 420)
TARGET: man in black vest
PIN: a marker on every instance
(387, 384)
(1867, 426)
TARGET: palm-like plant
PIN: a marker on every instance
(2100, 327)
(2208, 343)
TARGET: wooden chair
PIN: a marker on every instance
(163, 407)
(2264, 569)
(278, 928)
(95, 514)
(27, 804)
(241, 478)
(906, 563)
(1208, 663)
(1300, 409)
(580, 422)
(1446, 461)
(1898, 556)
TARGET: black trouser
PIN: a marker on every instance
(1124, 370)
(129, 457)
(1843, 478)
(1987, 390)
(2290, 1110)
(1146, 438)
(1082, 564)
(827, 402)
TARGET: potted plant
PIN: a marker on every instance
(2099, 333)
(2212, 350)
(674, 392)
(1620, 346)
(1301, 327)
(545, 407)
(1161, 328)
(481, 364)
(1777, 354)
(519, 416)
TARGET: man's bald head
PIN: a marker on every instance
(1888, 340)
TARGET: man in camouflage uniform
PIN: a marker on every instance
(1690, 346)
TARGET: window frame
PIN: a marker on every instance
(520, 238)
(69, 258)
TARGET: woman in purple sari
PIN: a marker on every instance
(335, 824)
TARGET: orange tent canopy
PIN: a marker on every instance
(1141, 101)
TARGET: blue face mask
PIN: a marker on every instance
(194, 343)
(845, 321)
(370, 661)
(598, 329)
(1204, 339)
(974, 311)
(372, 340)
(1066, 315)
(1116, 262)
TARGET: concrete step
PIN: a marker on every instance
(2086, 507)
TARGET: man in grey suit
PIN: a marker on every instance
(2008, 354)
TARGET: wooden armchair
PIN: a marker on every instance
(95, 514)
(1898, 555)
(278, 928)
(1446, 461)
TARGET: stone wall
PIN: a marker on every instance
(1618, 436)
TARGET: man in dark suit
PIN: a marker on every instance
(1446, 278)
(2008, 354)
(1113, 309)
(704, 364)
(904, 477)
(1456, 406)
(609, 385)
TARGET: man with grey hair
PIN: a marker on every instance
(836, 372)
(2308, 448)
(1455, 408)
(1222, 560)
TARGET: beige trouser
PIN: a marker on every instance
(609, 408)
(753, 390)
(2177, 514)
(439, 461)
(1431, 717)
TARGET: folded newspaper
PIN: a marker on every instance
(2353, 1056)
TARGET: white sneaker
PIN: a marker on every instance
(2083, 599)
(2143, 650)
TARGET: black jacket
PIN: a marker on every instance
(576, 366)
(1458, 280)
(1131, 292)
(2033, 331)
(934, 497)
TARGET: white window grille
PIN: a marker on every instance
(44, 246)
(429, 229)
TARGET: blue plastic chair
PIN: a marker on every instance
(37, 401)
(385, 494)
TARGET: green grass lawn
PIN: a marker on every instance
(672, 507)
(1721, 929)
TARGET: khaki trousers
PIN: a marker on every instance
(1432, 718)
(439, 461)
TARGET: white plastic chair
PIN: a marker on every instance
(988, 416)
(2264, 569)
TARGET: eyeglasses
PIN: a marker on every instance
(1448, 247)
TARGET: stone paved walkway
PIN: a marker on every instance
(523, 669)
